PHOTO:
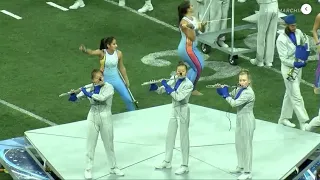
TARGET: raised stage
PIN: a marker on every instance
(140, 143)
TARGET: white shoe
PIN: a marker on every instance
(182, 170)
(87, 174)
(116, 171)
(245, 176)
(163, 165)
(122, 3)
(222, 44)
(242, 1)
(238, 170)
(286, 122)
(305, 127)
(77, 4)
(146, 7)
(269, 64)
(256, 63)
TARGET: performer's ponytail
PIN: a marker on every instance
(182, 10)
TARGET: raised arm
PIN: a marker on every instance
(96, 52)
(190, 33)
(122, 68)
(162, 89)
(182, 93)
(244, 97)
(106, 93)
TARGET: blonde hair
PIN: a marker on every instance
(246, 72)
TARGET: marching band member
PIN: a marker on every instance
(315, 32)
(244, 99)
(111, 61)
(187, 48)
(286, 46)
(267, 31)
(145, 8)
(180, 89)
(217, 11)
(99, 120)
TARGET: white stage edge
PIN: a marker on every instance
(140, 143)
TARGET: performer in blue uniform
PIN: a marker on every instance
(111, 64)
(187, 48)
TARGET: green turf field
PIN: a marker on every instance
(40, 59)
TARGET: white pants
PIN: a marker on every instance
(100, 122)
(243, 138)
(181, 114)
(293, 101)
(267, 31)
(218, 10)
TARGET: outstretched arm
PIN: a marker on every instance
(96, 52)
(243, 98)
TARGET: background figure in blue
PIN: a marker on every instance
(187, 48)
(111, 63)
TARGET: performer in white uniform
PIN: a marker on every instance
(179, 88)
(286, 46)
(244, 99)
(218, 11)
(99, 120)
(267, 31)
(147, 6)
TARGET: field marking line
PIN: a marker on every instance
(177, 29)
(27, 113)
(57, 6)
(11, 14)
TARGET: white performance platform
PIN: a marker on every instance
(140, 143)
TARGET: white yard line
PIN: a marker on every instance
(27, 113)
(176, 29)
(57, 6)
(11, 14)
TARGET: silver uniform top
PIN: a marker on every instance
(181, 96)
(103, 100)
(245, 102)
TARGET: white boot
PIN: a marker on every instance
(256, 63)
(245, 176)
(122, 3)
(163, 165)
(238, 170)
(286, 122)
(87, 174)
(146, 7)
(182, 170)
(221, 43)
(116, 171)
(77, 4)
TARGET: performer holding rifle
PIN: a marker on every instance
(180, 89)
(99, 120)
(112, 66)
(244, 99)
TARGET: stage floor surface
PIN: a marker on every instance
(139, 139)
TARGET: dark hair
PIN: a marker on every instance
(94, 72)
(106, 41)
(182, 9)
(287, 30)
(181, 63)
